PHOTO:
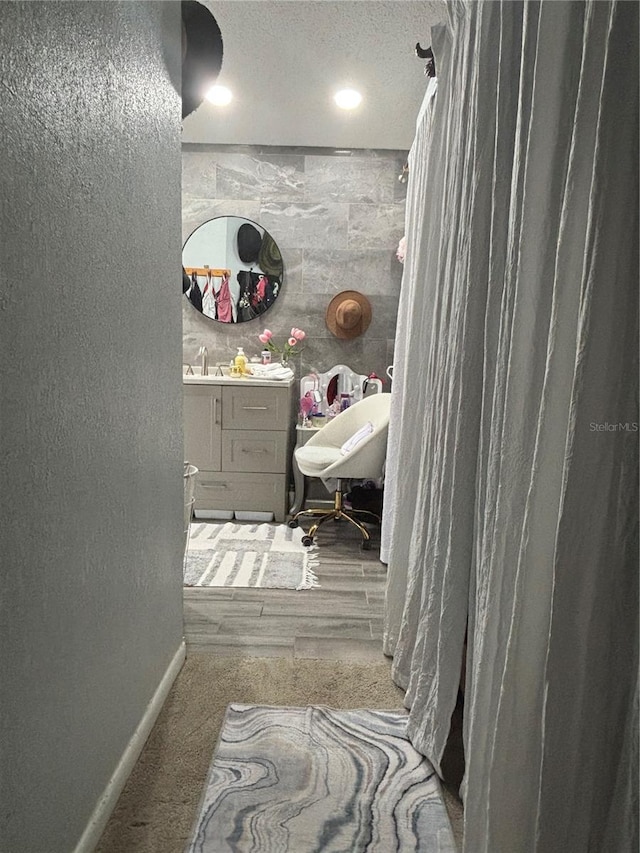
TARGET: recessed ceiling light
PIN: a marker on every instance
(219, 95)
(347, 99)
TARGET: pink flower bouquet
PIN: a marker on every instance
(287, 350)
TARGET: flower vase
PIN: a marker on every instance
(287, 361)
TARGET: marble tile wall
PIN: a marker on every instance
(337, 218)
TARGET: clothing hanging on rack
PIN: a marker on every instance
(195, 294)
(208, 299)
(223, 302)
(260, 290)
(247, 281)
(273, 286)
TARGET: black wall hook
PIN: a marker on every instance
(427, 53)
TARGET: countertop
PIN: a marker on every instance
(197, 379)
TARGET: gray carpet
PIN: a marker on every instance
(158, 807)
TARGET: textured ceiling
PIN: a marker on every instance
(284, 60)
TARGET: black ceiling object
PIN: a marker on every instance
(201, 52)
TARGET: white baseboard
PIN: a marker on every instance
(105, 805)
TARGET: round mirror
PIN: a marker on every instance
(232, 269)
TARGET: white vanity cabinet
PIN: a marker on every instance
(237, 432)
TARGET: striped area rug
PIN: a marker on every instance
(249, 555)
(297, 780)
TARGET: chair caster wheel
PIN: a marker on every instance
(366, 544)
(292, 523)
(307, 540)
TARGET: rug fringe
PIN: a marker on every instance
(310, 579)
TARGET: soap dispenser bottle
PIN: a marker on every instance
(240, 362)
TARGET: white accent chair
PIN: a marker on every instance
(325, 456)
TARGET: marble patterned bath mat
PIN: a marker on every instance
(249, 555)
(317, 780)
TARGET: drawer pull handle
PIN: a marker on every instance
(214, 485)
(255, 408)
(254, 450)
(215, 410)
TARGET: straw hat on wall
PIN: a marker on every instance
(348, 314)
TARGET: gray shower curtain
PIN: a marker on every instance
(511, 496)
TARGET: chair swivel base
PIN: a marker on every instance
(337, 513)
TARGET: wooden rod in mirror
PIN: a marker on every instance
(207, 271)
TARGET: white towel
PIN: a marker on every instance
(271, 371)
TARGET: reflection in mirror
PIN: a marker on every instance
(332, 390)
(233, 269)
(338, 387)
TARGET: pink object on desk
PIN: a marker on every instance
(306, 404)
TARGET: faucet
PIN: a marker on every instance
(204, 370)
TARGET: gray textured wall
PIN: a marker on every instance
(90, 338)
(337, 219)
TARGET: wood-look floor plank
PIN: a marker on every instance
(347, 555)
(331, 563)
(274, 627)
(211, 592)
(347, 582)
(293, 598)
(331, 569)
(342, 545)
(246, 594)
(336, 608)
(223, 607)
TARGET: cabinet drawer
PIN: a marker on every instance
(256, 408)
(254, 450)
(251, 492)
